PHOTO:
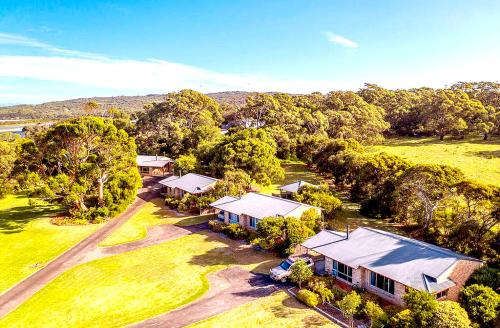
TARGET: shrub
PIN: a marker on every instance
(403, 319)
(487, 276)
(377, 316)
(481, 303)
(308, 298)
(235, 231)
(172, 202)
(215, 225)
(338, 293)
(450, 314)
(318, 285)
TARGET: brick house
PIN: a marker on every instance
(252, 207)
(387, 264)
(191, 183)
(154, 165)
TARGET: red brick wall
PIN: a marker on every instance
(462, 271)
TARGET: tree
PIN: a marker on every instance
(422, 305)
(250, 150)
(186, 164)
(89, 164)
(9, 153)
(235, 183)
(283, 234)
(175, 126)
(349, 116)
(450, 314)
(349, 306)
(481, 303)
(257, 109)
(300, 272)
(312, 219)
(320, 197)
(420, 190)
(377, 316)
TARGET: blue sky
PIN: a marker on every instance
(52, 50)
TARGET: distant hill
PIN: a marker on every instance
(74, 107)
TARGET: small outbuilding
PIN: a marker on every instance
(288, 190)
(158, 166)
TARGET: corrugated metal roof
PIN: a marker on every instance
(192, 183)
(259, 206)
(295, 186)
(153, 161)
(402, 259)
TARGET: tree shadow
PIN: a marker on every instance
(14, 219)
(314, 321)
(485, 154)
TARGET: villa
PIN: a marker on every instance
(388, 264)
(248, 209)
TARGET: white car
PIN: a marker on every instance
(282, 271)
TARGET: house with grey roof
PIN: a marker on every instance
(288, 190)
(154, 165)
(192, 183)
(252, 207)
(388, 264)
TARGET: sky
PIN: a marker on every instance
(55, 50)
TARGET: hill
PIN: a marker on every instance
(74, 107)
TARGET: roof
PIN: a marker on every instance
(411, 262)
(192, 183)
(153, 161)
(258, 205)
(295, 186)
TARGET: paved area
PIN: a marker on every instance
(155, 235)
(229, 288)
(75, 255)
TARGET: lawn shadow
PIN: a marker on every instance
(15, 219)
(233, 253)
(485, 154)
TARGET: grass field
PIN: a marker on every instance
(478, 159)
(29, 240)
(153, 213)
(277, 310)
(133, 286)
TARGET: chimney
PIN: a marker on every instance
(156, 156)
(347, 231)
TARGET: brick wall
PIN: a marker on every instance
(462, 271)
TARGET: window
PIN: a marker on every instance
(233, 218)
(442, 294)
(144, 169)
(220, 216)
(381, 282)
(285, 265)
(342, 271)
(253, 222)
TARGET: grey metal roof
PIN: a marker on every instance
(295, 186)
(402, 259)
(324, 237)
(192, 183)
(153, 161)
(223, 200)
(259, 206)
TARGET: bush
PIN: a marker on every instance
(338, 293)
(481, 303)
(308, 298)
(450, 314)
(215, 226)
(487, 276)
(233, 230)
(172, 202)
(403, 319)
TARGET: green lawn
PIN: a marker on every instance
(136, 285)
(478, 159)
(151, 214)
(277, 310)
(29, 240)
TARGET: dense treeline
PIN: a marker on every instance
(328, 131)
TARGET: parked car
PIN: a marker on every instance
(282, 271)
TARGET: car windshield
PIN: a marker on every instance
(285, 265)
